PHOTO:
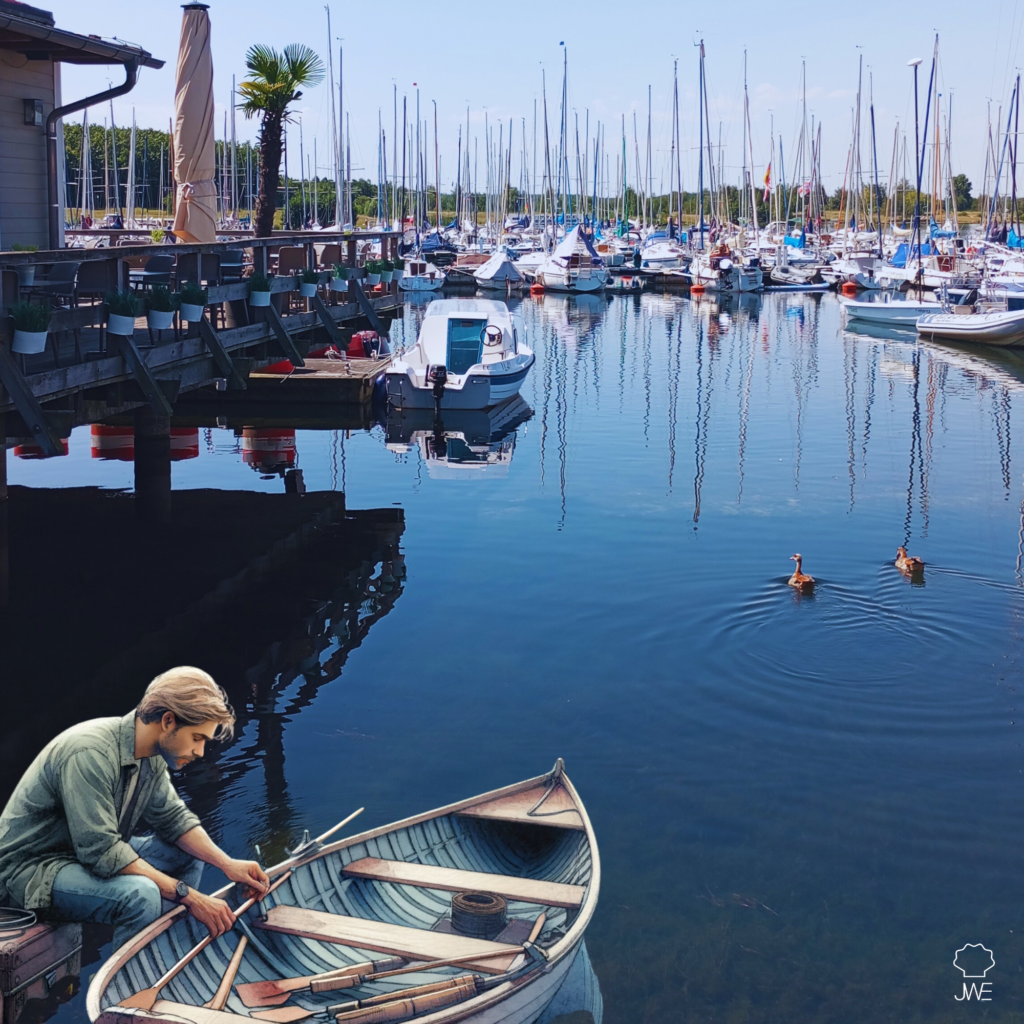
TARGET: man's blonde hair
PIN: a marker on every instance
(191, 695)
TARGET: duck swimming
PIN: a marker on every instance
(907, 564)
(800, 580)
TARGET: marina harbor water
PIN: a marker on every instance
(805, 803)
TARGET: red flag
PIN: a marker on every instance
(767, 183)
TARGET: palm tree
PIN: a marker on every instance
(274, 81)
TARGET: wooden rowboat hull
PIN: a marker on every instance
(389, 891)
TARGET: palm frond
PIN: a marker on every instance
(304, 65)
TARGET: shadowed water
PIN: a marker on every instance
(805, 804)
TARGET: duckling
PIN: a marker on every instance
(907, 564)
(800, 580)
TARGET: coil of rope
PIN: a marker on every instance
(481, 915)
(15, 920)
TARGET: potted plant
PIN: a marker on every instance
(193, 301)
(160, 307)
(309, 281)
(339, 283)
(27, 271)
(387, 269)
(399, 269)
(157, 235)
(259, 290)
(31, 323)
(372, 268)
(122, 309)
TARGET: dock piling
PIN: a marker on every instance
(152, 466)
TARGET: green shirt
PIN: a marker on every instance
(69, 807)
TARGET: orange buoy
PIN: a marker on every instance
(698, 288)
(849, 288)
(536, 288)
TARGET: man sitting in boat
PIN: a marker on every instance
(68, 847)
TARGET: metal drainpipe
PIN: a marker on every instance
(131, 69)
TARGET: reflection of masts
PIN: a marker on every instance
(703, 413)
(868, 405)
(745, 408)
(547, 343)
(1020, 547)
(645, 329)
(560, 422)
(915, 445)
(850, 383)
(1001, 415)
(674, 361)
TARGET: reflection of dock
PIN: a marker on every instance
(247, 565)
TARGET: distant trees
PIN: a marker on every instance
(962, 192)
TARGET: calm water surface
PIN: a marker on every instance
(805, 805)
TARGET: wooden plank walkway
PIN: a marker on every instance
(319, 380)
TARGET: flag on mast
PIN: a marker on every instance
(767, 183)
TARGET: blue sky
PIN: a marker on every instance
(467, 53)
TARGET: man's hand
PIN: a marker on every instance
(209, 910)
(249, 874)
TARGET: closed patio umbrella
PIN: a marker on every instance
(196, 213)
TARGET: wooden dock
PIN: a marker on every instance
(349, 381)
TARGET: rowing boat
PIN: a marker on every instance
(388, 893)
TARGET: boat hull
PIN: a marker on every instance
(906, 313)
(984, 328)
(480, 391)
(388, 890)
(560, 281)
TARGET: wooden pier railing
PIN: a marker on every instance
(87, 373)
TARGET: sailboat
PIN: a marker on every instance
(574, 266)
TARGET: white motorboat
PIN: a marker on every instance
(574, 266)
(889, 309)
(1005, 327)
(422, 277)
(470, 354)
(499, 273)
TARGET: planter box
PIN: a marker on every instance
(385, 276)
(307, 289)
(29, 343)
(397, 274)
(193, 314)
(27, 275)
(159, 320)
(339, 285)
(373, 279)
(259, 298)
(123, 325)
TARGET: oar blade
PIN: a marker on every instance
(285, 1015)
(143, 1000)
(264, 993)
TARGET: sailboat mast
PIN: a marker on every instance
(700, 172)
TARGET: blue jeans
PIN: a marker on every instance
(129, 902)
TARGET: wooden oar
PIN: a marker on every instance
(352, 980)
(220, 997)
(404, 1005)
(145, 999)
(273, 993)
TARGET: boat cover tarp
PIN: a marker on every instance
(569, 244)
(899, 258)
(1013, 240)
(794, 241)
(498, 268)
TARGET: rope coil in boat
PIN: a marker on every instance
(14, 919)
(481, 915)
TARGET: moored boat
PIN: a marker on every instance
(470, 354)
(1004, 327)
(889, 309)
(406, 892)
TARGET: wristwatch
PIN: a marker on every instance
(181, 890)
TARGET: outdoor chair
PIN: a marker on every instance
(156, 271)
(60, 282)
(232, 265)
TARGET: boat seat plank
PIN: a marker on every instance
(558, 809)
(196, 1014)
(380, 937)
(427, 876)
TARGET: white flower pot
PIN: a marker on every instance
(27, 275)
(159, 320)
(307, 289)
(385, 276)
(29, 343)
(192, 313)
(373, 280)
(397, 274)
(339, 285)
(123, 325)
(259, 298)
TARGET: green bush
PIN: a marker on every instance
(158, 235)
(122, 303)
(399, 264)
(30, 316)
(259, 283)
(340, 272)
(160, 299)
(310, 277)
(21, 247)
(190, 294)
(386, 265)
